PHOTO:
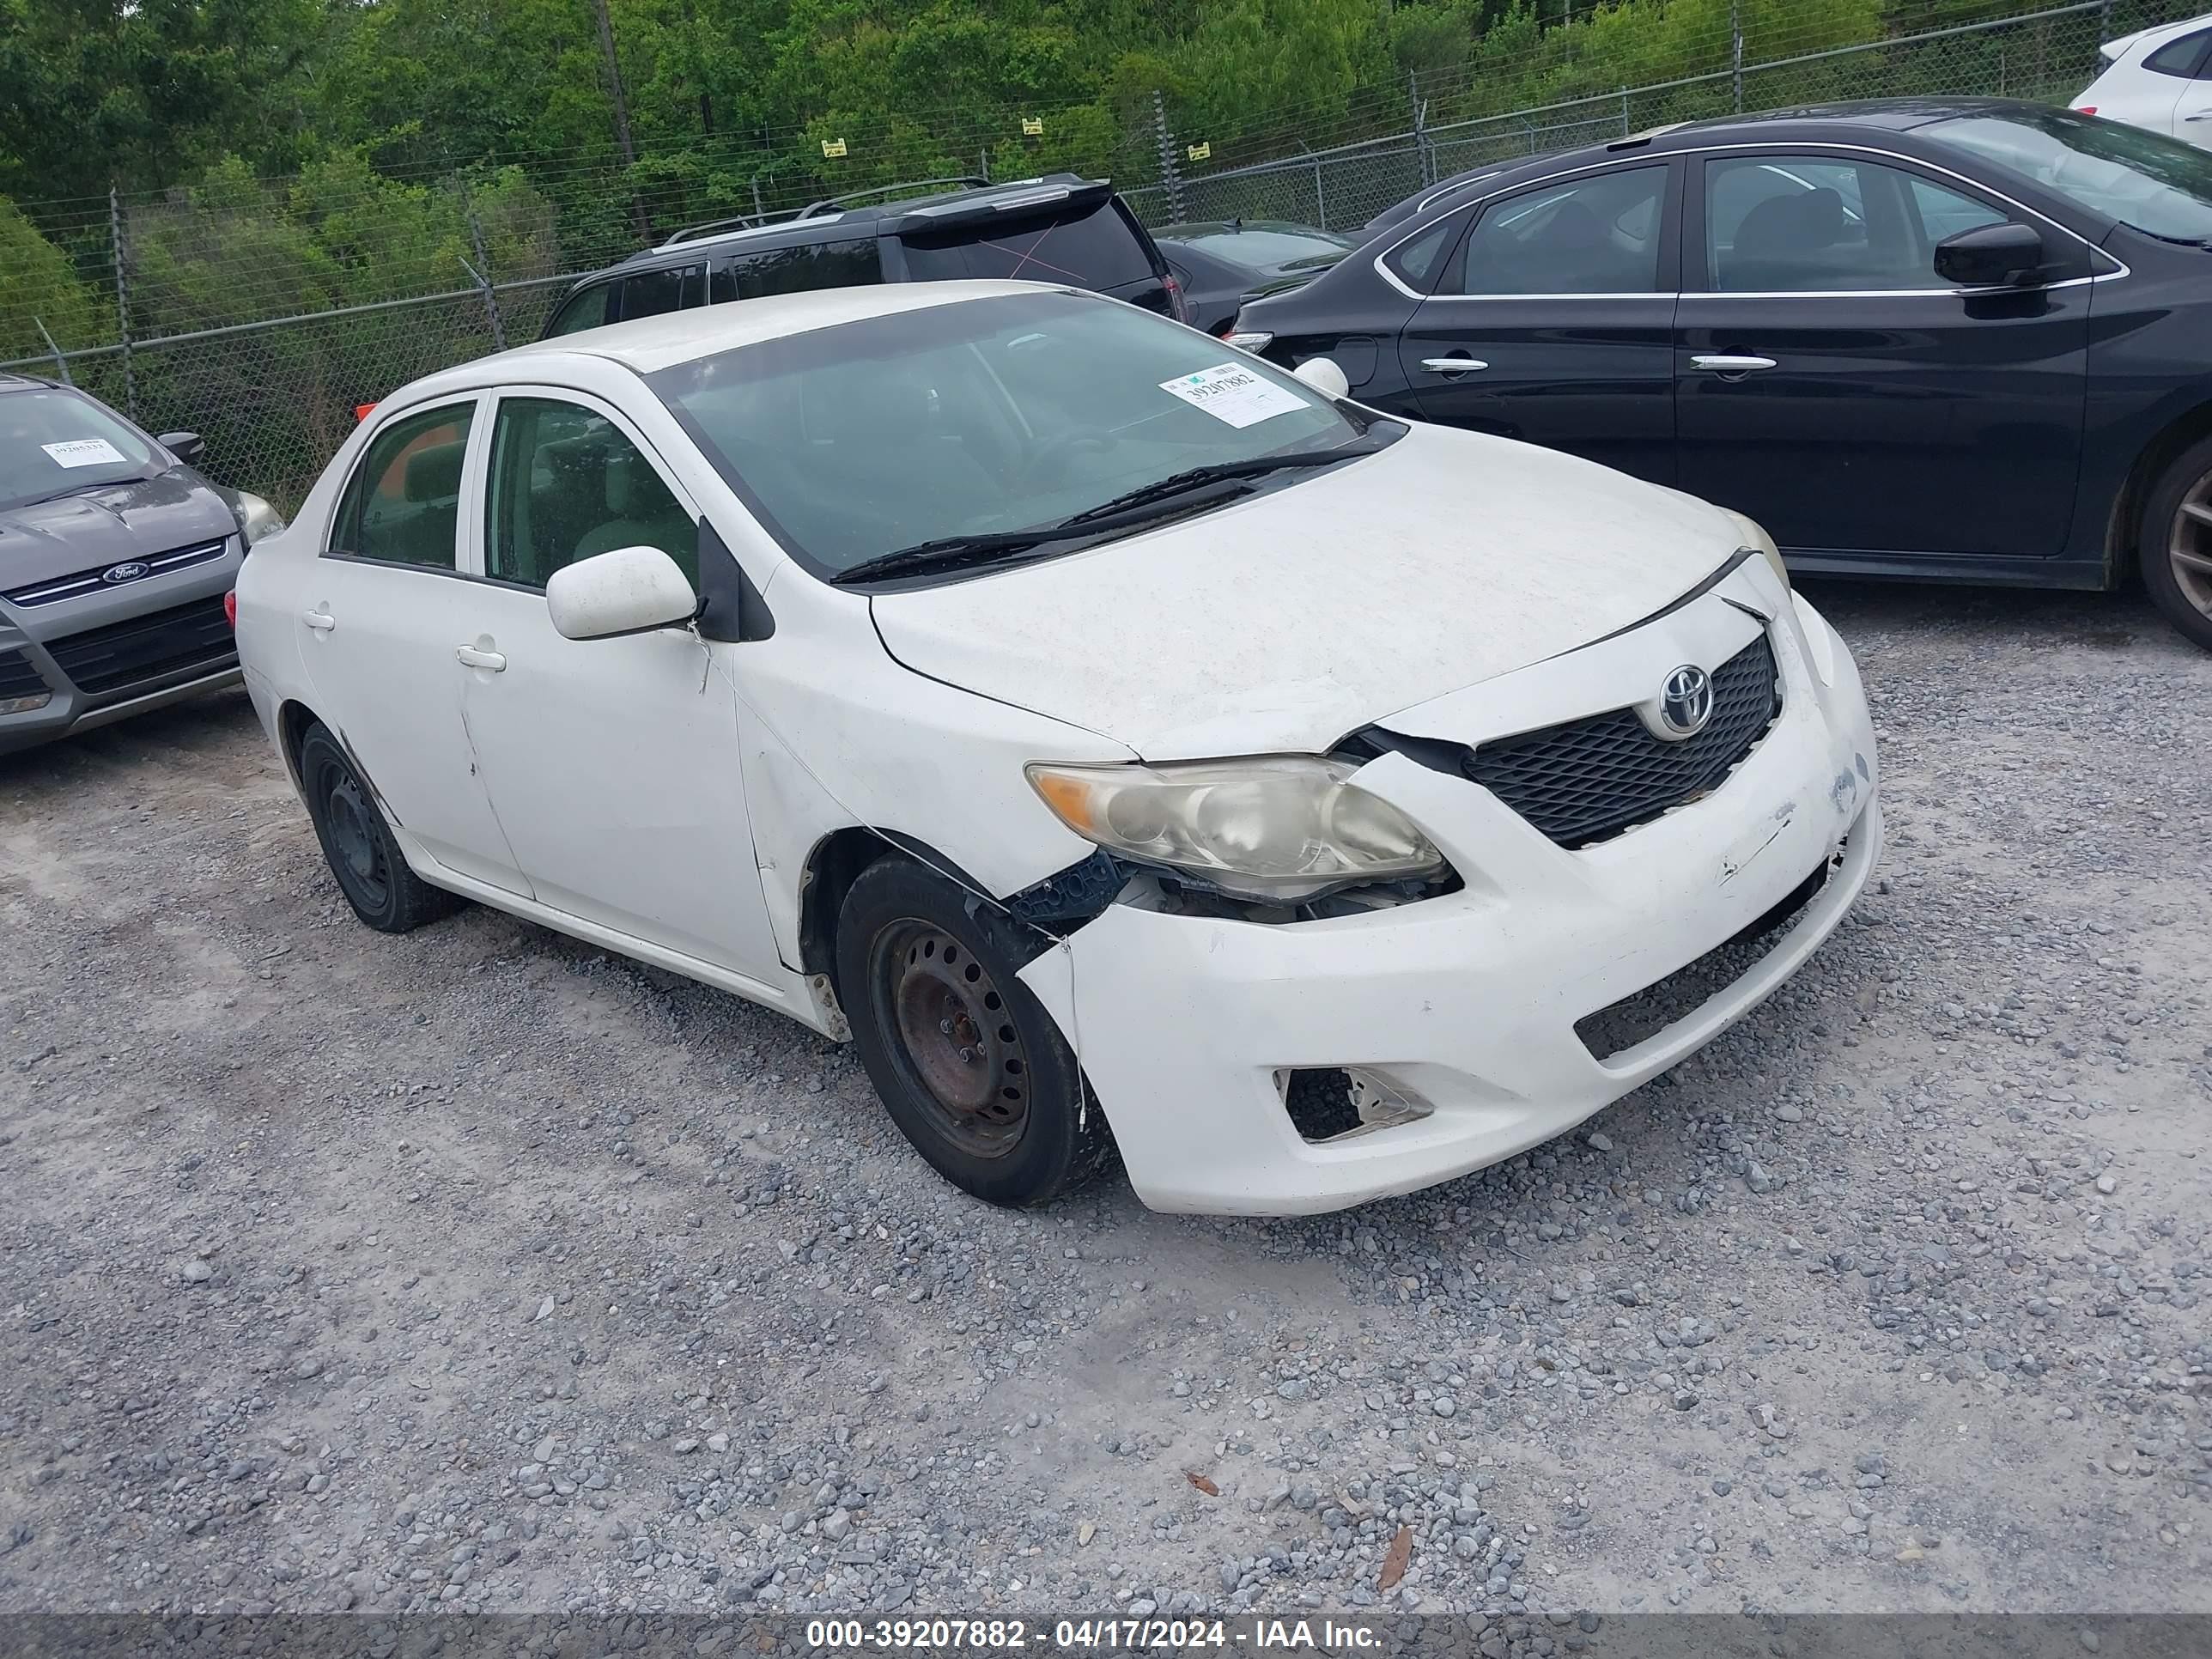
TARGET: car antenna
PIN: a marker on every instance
(60, 362)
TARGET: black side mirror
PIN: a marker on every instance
(187, 447)
(1991, 256)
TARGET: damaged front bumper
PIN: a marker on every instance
(1455, 1019)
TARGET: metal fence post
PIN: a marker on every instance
(1170, 174)
(1320, 202)
(482, 272)
(122, 300)
(1624, 113)
(1735, 50)
(1424, 158)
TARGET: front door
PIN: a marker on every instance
(613, 763)
(1553, 322)
(1829, 385)
(385, 604)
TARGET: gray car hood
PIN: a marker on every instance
(112, 525)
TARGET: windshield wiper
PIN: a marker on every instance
(1197, 477)
(1177, 494)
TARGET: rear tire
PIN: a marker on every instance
(966, 1060)
(2176, 546)
(371, 870)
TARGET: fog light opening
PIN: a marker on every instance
(1327, 1104)
(25, 705)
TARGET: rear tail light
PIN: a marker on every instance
(1178, 306)
(230, 609)
(360, 412)
(2085, 109)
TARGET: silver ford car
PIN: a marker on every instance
(115, 560)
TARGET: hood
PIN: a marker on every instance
(1282, 622)
(133, 519)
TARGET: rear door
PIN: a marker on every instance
(1081, 234)
(1553, 321)
(2151, 94)
(386, 605)
(2192, 103)
(1831, 386)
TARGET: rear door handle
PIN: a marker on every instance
(1453, 364)
(321, 620)
(1727, 365)
(469, 657)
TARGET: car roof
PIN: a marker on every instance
(13, 382)
(652, 344)
(1809, 122)
(859, 219)
(2120, 46)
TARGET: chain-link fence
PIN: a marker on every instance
(260, 313)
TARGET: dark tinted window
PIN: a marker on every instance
(1807, 224)
(852, 264)
(566, 485)
(1097, 249)
(585, 310)
(2179, 57)
(1419, 260)
(1595, 235)
(652, 292)
(404, 505)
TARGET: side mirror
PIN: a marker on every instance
(628, 590)
(1322, 374)
(187, 447)
(1991, 256)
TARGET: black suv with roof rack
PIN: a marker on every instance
(1061, 228)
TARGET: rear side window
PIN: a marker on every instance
(585, 310)
(2179, 57)
(649, 293)
(854, 263)
(1097, 249)
(1598, 234)
(404, 505)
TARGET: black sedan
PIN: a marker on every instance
(1221, 263)
(1968, 340)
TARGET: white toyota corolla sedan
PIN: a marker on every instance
(1126, 744)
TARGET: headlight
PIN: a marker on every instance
(257, 520)
(1748, 534)
(1275, 830)
(1254, 340)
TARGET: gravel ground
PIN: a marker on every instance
(477, 1269)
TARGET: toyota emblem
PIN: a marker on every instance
(1685, 700)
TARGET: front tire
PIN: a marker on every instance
(2176, 548)
(358, 845)
(970, 1065)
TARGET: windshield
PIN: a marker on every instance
(55, 442)
(2146, 181)
(979, 416)
(1267, 250)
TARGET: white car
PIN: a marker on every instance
(2157, 78)
(1123, 742)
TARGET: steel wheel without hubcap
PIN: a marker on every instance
(2189, 546)
(955, 1036)
(354, 838)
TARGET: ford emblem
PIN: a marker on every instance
(125, 573)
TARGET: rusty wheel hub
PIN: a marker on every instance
(959, 1036)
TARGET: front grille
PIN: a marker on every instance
(55, 589)
(1588, 779)
(170, 644)
(18, 678)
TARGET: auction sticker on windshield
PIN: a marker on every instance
(1233, 393)
(83, 451)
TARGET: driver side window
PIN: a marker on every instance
(566, 485)
(1819, 224)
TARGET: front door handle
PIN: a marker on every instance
(321, 620)
(1453, 364)
(1728, 365)
(469, 657)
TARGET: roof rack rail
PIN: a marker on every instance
(735, 221)
(966, 181)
